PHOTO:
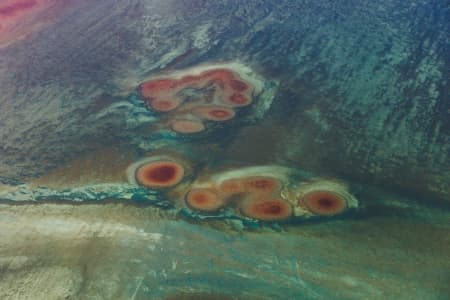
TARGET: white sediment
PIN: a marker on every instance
(131, 170)
(245, 72)
(332, 186)
(273, 171)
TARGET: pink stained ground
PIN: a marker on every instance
(252, 184)
(21, 18)
(266, 209)
(160, 174)
(204, 200)
(214, 112)
(228, 86)
(165, 95)
(324, 203)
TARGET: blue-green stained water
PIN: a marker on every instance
(224, 149)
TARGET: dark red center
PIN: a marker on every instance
(238, 99)
(201, 198)
(161, 174)
(327, 203)
(219, 113)
(238, 85)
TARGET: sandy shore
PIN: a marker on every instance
(119, 251)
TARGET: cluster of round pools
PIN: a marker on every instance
(265, 193)
(190, 99)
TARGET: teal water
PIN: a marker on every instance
(224, 149)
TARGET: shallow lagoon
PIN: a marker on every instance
(224, 150)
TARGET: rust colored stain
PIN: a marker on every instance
(21, 18)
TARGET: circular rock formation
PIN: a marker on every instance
(265, 209)
(210, 93)
(324, 203)
(323, 198)
(159, 174)
(203, 199)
